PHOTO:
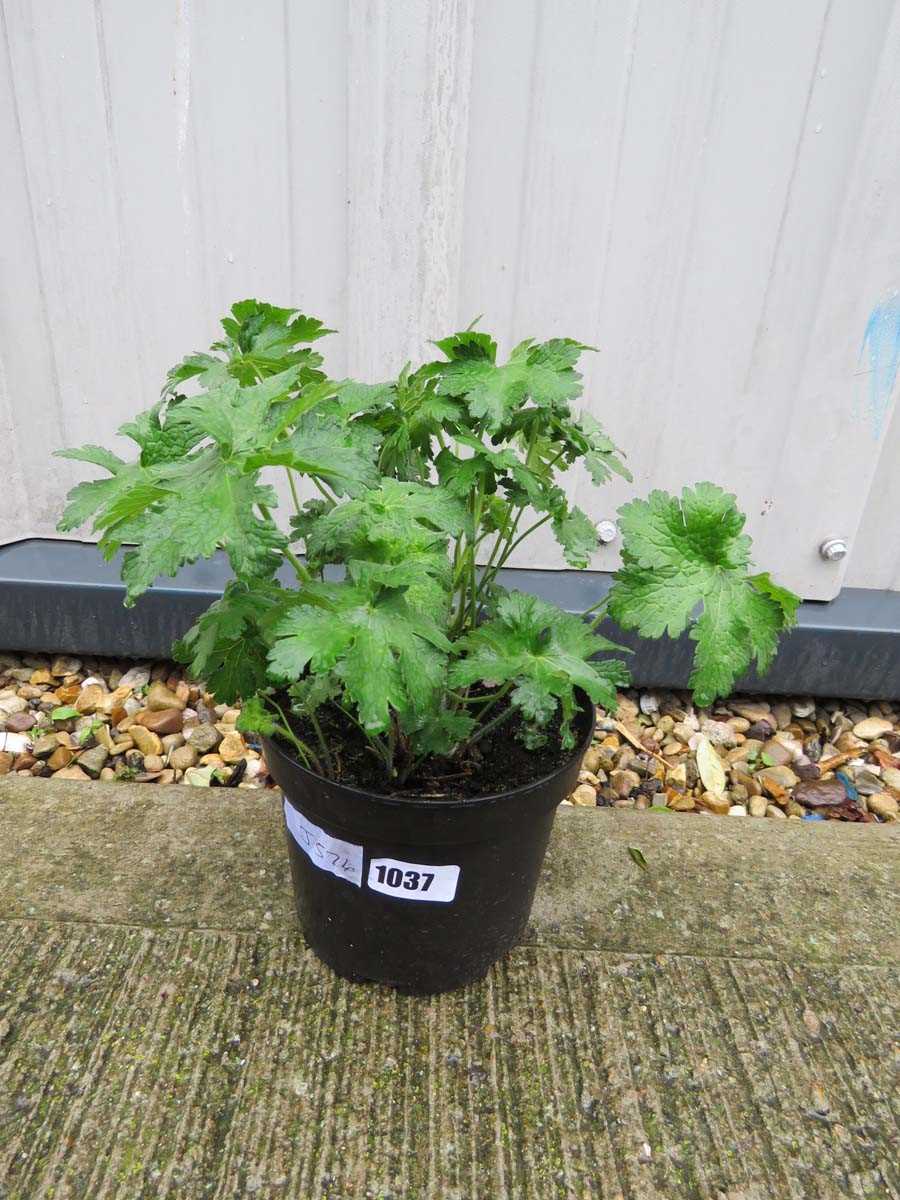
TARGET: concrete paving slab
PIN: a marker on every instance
(165, 1033)
(215, 858)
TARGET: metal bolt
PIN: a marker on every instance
(833, 549)
(607, 531)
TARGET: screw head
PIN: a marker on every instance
(607, 531)
(833, 549)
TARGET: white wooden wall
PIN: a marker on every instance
(705, 189)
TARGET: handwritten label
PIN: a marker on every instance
(412, 881)
(324, 851)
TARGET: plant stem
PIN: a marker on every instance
(294, 496)
(321, 740)
(328, 494)
(494, 699)
(299, 570)
(309, 759)
(486, 729)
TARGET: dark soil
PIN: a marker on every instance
(497, 763)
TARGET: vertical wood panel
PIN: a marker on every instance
(90, 336)
(30, 409)
(316, 80)
(408, 115)
(704, 190)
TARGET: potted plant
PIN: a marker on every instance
(422, 721)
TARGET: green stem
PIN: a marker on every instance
(309, 759)
(321, 740)
(327, 493)
(294, 496)
(504, 691)
(600, 609)
(299, 570)
(489, 728)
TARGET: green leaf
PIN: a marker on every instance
(87, 499)
(205, 504)
(160, 440)
(601, 456)
(637, 857)
(322, 447)
(391, 517)
(227, 646)
(64, 713)
(577, 534)
(233, 416)
(255, 717)
(541, 373)
(388, 656)
(684, 555)
(261, 340)
(546, 653)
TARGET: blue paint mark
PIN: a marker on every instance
(812, 817)
(849, 787)
(881, 344)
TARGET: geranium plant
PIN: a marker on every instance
(395, 625)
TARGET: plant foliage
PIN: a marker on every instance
(409, 497)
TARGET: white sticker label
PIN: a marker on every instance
(412, 881)
(324, 851)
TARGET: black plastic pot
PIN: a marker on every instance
(421, 894)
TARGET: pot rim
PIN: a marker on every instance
(433, 802)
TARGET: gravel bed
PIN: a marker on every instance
(95, 718)
(777, 757)
(774, 757)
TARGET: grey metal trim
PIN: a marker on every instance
(62, 596)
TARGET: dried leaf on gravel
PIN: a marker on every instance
(710, 766)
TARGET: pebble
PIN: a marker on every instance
(94, 760)
(199, 776)
(714, 803)
(737, 810)
(160, 699)
(757, 806)
(135, 678)
(204, 738)
(60, 758)
(90, 698)
(872, 727)
(145, 740)
(181, 758)
(819, 793)
(63, 665)
(232, 749)
(883, 804)
(780, 754)
(753, 711)
(73, 772)
(21, 722)
(584, 796)
(161, 721)
(622, 782)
